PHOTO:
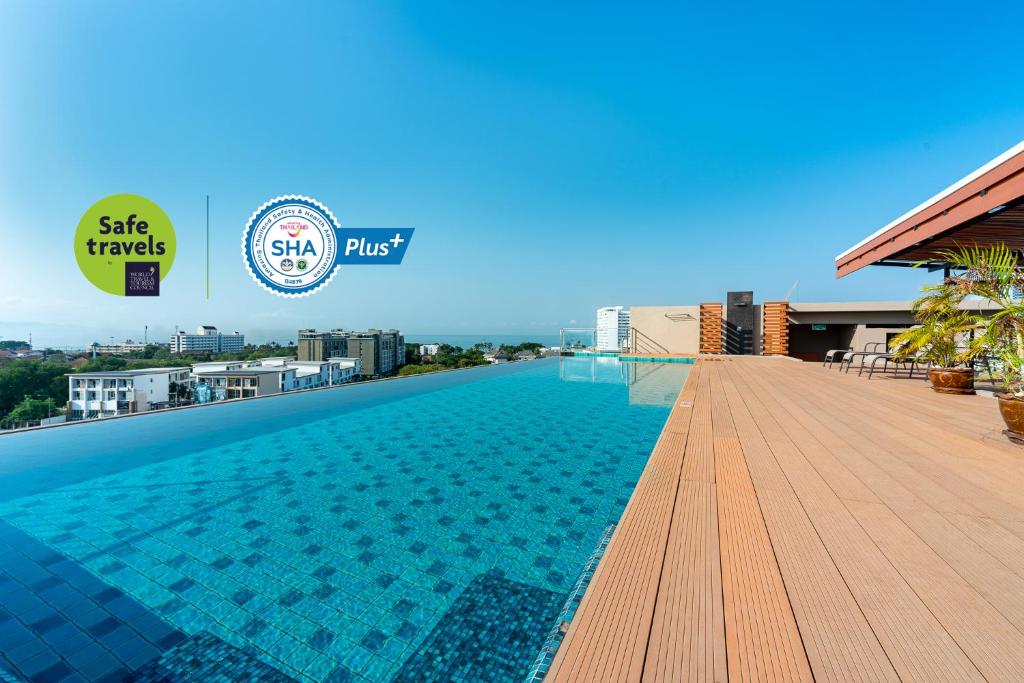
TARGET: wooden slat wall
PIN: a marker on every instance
(711, 328)
(776, 328)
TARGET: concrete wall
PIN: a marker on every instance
(665, 329)
(270, 383)
(864, 336)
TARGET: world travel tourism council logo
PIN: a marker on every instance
(125, 245)
(293, 245)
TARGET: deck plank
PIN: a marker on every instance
(762, 639)
(608, 638)
(915, 642)
(794, 522)
(687, 640)
(840, 643)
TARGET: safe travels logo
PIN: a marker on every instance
(293, 245)
(125, 245)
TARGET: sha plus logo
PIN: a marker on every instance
(380, 246)
(293, 246)
(287, 230)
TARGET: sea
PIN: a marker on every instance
(468, 340)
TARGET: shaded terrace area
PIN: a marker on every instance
(794, 524)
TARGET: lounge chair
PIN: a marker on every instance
(832, 355)
(887, 358)
(870, 349)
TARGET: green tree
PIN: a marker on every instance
(104, 364)
(419, 369)
(36, 379)
(412, 354)
(448, 355)
(943, 326)
(994, 273)
(30, 410)
(178, 392)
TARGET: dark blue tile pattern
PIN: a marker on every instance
(59, 622)
(205, 658)
(492, 632)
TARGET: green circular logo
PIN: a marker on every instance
(125, 245)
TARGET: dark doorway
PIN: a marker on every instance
(810, 342)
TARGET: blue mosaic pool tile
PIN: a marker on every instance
(58, 622)
(204, 658)
(492, 632)
(214, 540)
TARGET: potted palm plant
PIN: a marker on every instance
(940, 338)
(994, 273)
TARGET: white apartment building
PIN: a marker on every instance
(612, 328)
(429, 349)
(119, 349)
(121, 392)
(266, 376)
(244, 382)
(207, 338)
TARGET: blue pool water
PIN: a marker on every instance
(427, 528)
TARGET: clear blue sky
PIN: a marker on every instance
(553, 157)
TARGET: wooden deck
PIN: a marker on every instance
(796, 524)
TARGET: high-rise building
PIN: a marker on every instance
(207, 338)
(612, 328)
(380, 351)
(319, 346)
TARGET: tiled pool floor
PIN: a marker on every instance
(331, 549)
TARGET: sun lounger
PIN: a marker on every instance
(832, 355)
(870, 349)
(887, 358)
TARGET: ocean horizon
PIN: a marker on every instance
(468, 340)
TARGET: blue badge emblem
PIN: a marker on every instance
(288, 231)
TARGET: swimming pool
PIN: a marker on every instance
(428, 528)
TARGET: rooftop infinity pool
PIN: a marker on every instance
(427, 528)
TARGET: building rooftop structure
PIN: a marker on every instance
(127, 373)
(983, 208)
(249, 371)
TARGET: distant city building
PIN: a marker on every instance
(242, 382)
(429, 349)
(24, 353)
(121, 392)
(316, 345)
(612, 332)
(268, 376)
(207, 338)
(119, 349)
(379, 351)
(105, 394)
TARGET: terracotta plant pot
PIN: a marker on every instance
(1012, 410)
(952, 380)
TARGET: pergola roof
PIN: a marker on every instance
(985, 207)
